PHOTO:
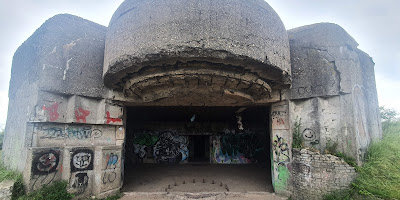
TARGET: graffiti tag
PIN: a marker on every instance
(53, 111)
(80, 182)
(81, 114)
(85, 132)
(281, 149)
(110, 175)
(82, 159)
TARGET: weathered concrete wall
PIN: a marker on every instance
(281, 154)
(314, 174)
(60, 124)
(333, 90)
(52, 59)
(241, 33)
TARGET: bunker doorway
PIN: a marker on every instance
(197, 148)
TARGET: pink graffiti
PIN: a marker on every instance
(280, 121)
(53, 111)
(109, 119)
(81, 114)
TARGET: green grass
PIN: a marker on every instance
(5, 174)
(379, 177)
(8, 174)
(56, 191)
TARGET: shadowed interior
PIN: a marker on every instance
(165, 145)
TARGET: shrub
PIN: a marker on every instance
(297, 137)
(56, 191)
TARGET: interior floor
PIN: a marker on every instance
(189, 178)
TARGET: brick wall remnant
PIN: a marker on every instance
(314, 174)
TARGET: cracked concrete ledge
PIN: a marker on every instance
(201, 195)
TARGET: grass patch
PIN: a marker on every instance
(341, 195)
(6, 174)
(18, 188)
(379, 177)
(56, 191)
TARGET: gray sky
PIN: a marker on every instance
(375, 25)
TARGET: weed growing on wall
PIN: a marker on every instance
(297, 137)
(331, 148)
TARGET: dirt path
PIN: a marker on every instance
(198, 178)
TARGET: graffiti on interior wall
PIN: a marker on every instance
(80, 182)
(144, 142)
(82, 159)
(81, 115)
(310, 136)
(164, 147)
(53, 111)
(238, 149)
(110, 119)
(281, 150)
(171, 148)
(85, 132)
(110, 175)
(44, 167)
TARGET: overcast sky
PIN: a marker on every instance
(375, 25)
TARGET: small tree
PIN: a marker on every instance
(389, 117)
(388, 114)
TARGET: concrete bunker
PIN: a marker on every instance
(73, 94)
(168, 145)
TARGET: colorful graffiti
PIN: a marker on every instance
(238, 149)
(81, 115)
(164, 147)
(110, 175)
(82, 159)
(281, 150)
(44, 167)
(53, 111)
(283, 176)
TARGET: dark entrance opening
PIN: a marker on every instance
(168, 145)
(199, 148)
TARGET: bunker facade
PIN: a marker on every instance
(182, 81)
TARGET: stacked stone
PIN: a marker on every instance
(315, 174)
